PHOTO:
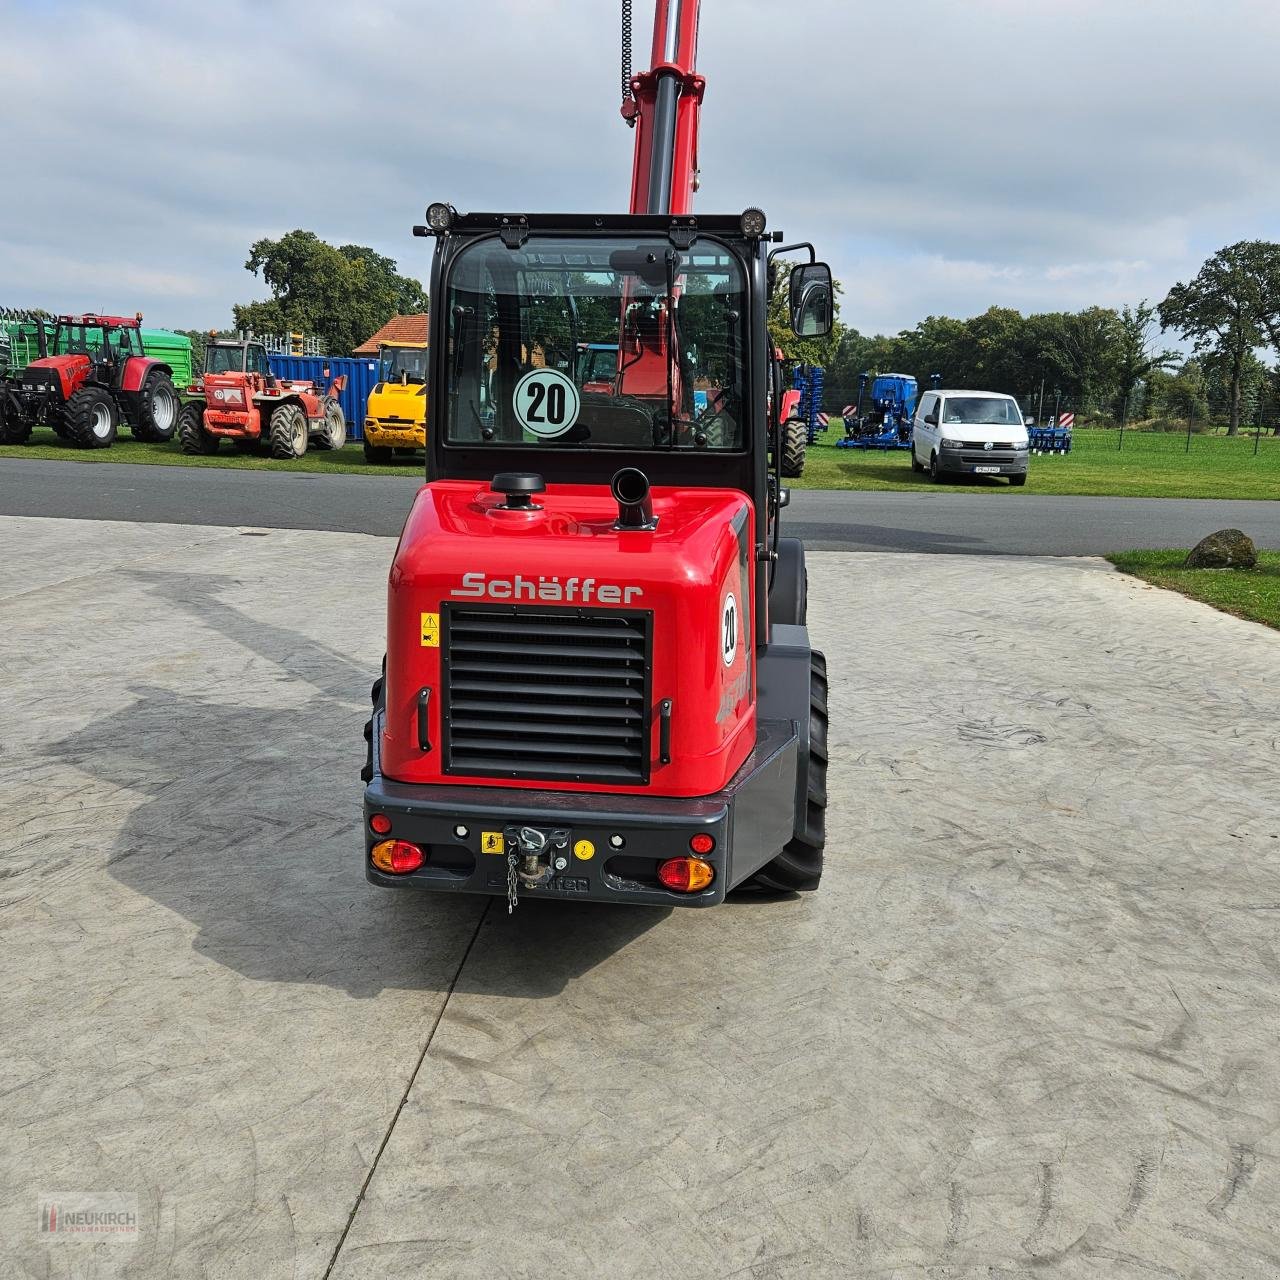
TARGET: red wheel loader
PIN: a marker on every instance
(598, 682)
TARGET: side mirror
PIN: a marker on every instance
(812, 298)
(931, 419)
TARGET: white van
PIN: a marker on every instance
(980, 433)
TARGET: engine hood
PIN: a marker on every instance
(688, 583)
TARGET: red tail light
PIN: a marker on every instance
(686, 875)
(702, 842)
(380, 824)
(396, 856)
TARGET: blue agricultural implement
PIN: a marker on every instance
(1049, 439)
(886, 423)
(809, 380)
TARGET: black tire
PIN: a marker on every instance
(798, 868)
(935, 472)
(288, 432)
(789, 590)
(158, 410)
(378, 454)
(916, 465)
(795, 440)
(92, 419)
(1019, 481)
(15, 425)
(55, 418)
(333, 430)
(192, 436)
(375, 697)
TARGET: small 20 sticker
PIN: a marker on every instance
(492, 842)
(430, 630)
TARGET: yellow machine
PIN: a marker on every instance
(396, 415)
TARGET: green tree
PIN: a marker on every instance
(342, 295)
(1183, 395)
(1136, 355)
(1076, 351)
(1219, 311)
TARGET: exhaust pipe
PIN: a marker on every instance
(630, 488)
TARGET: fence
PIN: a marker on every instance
(361, 378)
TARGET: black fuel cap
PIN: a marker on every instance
(518, 487)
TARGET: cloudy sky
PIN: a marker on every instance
(944, 156)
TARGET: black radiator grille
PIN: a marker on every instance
(555, 694)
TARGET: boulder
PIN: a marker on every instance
(1226, 549)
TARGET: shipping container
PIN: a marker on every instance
(361, 373)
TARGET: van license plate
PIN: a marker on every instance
(987, 471)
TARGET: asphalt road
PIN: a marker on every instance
(995, 523)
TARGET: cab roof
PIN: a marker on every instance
(127, 322)
(981, 395)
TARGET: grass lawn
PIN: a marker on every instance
(1150, 465)
(349, 460)
(1248, 593)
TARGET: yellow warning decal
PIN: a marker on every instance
(492, 842)
(584, 849)
(430, 630)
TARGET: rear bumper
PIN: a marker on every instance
(222, 423)
(396, 437)
(750, 820)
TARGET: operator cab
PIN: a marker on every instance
(576, 345)
(236, 357)
(407, 365)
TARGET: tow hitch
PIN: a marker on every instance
(534, 855)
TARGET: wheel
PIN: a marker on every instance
(376, 453)
(375, 697)
(795, 439)
(191, 433)
(157, 410)
(935, 473)
(1019, 481)
(92, 419)
(916, 465)
(798, 868)
(333, 430)
(15, 425)
(55, 418)
(288, 432)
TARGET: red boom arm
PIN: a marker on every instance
(664, 109)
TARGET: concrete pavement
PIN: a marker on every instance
(971, 523)
(1028, 1026)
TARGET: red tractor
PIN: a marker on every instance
(96, 377)
(599, 685)
(239, 399)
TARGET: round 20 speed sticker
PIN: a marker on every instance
(547, 403)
